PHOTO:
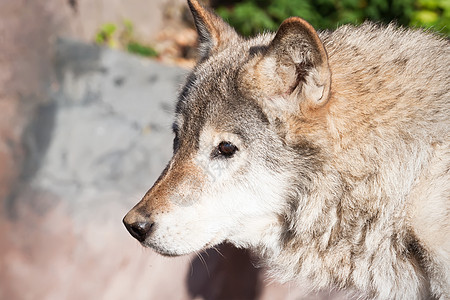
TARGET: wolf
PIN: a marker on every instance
(325, 153)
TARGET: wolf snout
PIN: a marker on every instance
(140, 229)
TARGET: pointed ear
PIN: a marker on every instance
(213, 33)
(293, 72)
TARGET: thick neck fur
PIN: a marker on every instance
(338, 244)
(332, 239)
(347, 226)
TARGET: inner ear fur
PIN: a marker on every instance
(294, 69)
(214, 34)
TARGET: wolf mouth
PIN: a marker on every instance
(173, 253)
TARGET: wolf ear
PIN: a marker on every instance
(213, 33)
(293, 72)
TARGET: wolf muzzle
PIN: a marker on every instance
(138, 226)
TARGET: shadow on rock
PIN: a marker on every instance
(225, 275)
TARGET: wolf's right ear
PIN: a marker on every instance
(214, 34)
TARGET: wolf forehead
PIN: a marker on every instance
(213, 93)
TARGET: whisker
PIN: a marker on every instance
(218, 251)
(202, 259)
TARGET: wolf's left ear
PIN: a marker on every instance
(293, 72)
(214, 34)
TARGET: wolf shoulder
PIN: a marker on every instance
(400, 75)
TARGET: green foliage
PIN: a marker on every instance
(105, 34)
(434, 14)
(123, 37)
(136, 48)
(251, 16)
(248, 17)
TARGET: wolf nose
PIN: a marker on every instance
(139, 230)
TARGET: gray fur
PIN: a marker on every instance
(368, 164)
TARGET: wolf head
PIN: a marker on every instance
(238, 148)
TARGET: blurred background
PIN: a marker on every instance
(87, 90)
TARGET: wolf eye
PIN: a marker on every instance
(227, 149)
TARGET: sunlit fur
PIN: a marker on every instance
(341, 177)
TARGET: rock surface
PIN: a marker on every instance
(94, 150)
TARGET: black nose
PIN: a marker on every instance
(139, 230)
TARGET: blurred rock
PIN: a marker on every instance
(112, 111)
(177, 45)
(148, 17)
(25, 55)
(90, 162)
